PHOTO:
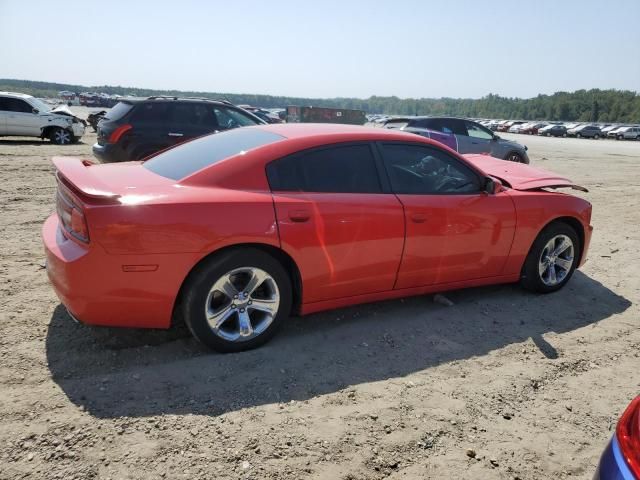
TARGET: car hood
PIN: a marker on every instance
(520, 176)
(65, 111)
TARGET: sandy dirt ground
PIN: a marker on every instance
(503, 384)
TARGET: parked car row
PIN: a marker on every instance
(557, 129)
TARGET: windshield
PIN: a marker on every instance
(40, 105)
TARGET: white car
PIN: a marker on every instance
(26, 116)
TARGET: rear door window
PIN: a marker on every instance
(150, 113)
(451, 126)
(16, 105)
(336, 169)
(192, 115)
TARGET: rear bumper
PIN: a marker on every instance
(612, 465)
(95, 288)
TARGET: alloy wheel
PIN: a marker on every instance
(556, 260)
(61, 137)
(242, 304)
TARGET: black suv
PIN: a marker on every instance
(136, 128)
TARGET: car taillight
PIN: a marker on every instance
(118, 132)
(72, 217)
(628, 434)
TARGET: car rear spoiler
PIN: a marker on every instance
(77, 174)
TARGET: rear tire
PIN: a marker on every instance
(552, 259)
(596, 136)
(237, 300)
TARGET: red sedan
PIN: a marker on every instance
(235, 231)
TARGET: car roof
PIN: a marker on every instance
(305, 130)
(134, 100)
(15, 94)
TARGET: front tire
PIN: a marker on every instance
(60, 136)
(552, 259)
(515, 157)
(237, 301)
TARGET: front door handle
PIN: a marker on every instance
(299, 216)
(418, 217)
(172, 134)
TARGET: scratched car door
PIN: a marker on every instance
(344, 233)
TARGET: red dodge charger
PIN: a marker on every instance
(235, 231)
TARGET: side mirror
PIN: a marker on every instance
(492, 186)
(496, 138)
(35, 110)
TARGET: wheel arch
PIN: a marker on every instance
(279, 254)
(46, 131)
(511, 152)
(574, 223)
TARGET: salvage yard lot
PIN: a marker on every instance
(503, 384)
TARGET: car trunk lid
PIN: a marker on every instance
(110, 183)
(520, 176)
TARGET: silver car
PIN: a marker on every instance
(466, 136)
(626, 133)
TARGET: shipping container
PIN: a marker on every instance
(297, 114)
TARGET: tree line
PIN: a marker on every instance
(582, 105)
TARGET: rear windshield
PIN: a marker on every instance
(118, 111)
(182, 161)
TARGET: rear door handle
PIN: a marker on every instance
(418, 217)
(172, 134)
(299, 215)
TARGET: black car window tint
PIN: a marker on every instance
(150, 113)
(453, 125)
(419, 170)
(193, 115)
(437, 125)
(340, 169)
(17, 105)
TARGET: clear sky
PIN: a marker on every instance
(327, 48)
